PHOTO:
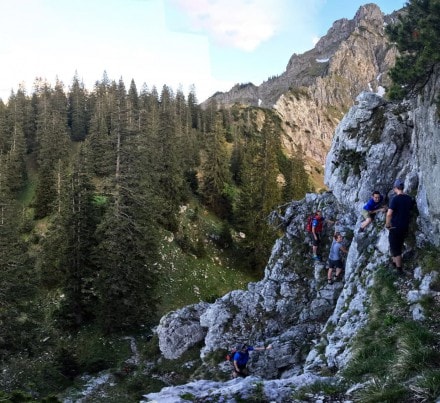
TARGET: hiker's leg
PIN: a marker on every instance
(396, 239)
(366, 222)
(329, 273)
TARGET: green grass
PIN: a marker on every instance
(204, 273)
(392, 349)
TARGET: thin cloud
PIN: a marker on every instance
(241, 24)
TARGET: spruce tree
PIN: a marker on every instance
(126, 251)
(76, 225)
(53, 138)
(260, 192)
(78, 110)
(417, 36)
(18, 315)
(16, 147)
(296, 178)
(216, 175)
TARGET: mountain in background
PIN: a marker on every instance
(319, 86)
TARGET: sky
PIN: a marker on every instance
(208, 44)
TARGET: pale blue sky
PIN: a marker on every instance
(212, 44)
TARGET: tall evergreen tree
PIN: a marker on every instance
(260, 192)
(417, 36)
(18, 315)
(52, 135)
(296, 178)
(168, 164)
(77, 221)
(216, 175)
(101, 143)
(78, 110)
(126, 251)
(16, 161)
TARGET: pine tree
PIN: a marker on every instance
(78, 110)
(126, 250)
(170, 178)
(18, 316)
(417, 36)
(216, 175)
(76, 225)
(16, 147)
(52, 136)
(260, 192)
(100, 141)
(296, 178)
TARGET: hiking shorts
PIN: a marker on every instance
(335, 264)
(366, 214)
(243, 371)
(396, 238)
(316, 242)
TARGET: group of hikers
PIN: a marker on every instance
(397, 222)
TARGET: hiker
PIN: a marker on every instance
(334, 258)
(373, 206)
(317, 227)
(397, 222)
(241, 357)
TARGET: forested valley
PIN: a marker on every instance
(92, 189)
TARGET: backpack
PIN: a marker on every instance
(309, 223)
(230, 354)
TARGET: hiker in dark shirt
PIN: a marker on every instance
(397, 222)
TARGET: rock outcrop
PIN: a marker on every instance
(310, 323)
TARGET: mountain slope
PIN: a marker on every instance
(319, 86)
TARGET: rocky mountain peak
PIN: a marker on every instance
(319, 86)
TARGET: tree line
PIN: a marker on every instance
(88, 178)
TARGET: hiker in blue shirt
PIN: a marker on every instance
(334, 258)
(397, 222)
(373, 206)
(241, 358)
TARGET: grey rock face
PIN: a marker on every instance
(181, 330)
(426, 156)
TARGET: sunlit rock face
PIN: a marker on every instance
(379, 141)
(319, 86)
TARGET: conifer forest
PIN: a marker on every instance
(90, 181)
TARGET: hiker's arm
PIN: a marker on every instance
(236, 366)
(388, 218)
(263, 348)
